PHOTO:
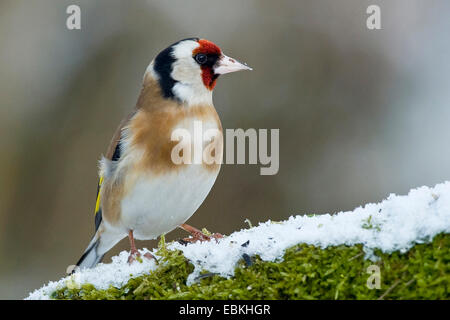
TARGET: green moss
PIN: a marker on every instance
(306, 272)
(369, 225)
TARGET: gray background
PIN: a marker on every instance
(361, 113)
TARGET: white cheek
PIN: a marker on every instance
(190, 87)
(186, 70)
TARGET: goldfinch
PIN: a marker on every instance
(142, 193)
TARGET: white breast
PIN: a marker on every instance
(157, 203)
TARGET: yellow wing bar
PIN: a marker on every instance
(97, 203)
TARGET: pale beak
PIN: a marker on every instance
(226, 65)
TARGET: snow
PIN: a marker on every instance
(395, 224)
(117, 273)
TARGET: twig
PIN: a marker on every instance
(389, 290)
(409, 282)
(354, 257)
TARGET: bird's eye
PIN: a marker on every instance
(201, 58)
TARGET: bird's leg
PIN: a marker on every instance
(197, 235)
(134, 252)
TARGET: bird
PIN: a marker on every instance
(142, 192)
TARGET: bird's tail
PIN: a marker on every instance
(100, 244)
(91, 255)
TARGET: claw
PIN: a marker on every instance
(134, 254)
(197, 235)
(149, 256)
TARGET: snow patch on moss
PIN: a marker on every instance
(395, 224)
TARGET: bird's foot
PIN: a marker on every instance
(136, 255)
(200, 236)
(197, 235)
(149, 256)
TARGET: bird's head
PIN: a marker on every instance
(188, 70)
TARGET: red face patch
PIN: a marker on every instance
(209, 48)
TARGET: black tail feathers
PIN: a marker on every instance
(90, 257)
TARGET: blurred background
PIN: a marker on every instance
(362, 113)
